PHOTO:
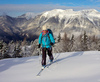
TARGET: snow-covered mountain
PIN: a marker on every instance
(58, 20)
(70, 21)
(65, 14)
(73, 21)
(67, 67)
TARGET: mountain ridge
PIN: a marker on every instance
(57, 20)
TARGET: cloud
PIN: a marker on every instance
(15, 9)
(28, 7)
(37, 8)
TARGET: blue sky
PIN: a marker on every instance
(60, 2)
(19, 7)
(38, 1)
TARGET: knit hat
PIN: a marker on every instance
(44, 27)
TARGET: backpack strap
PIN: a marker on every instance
(49, 37)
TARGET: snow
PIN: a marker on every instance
(65, 14)
(59, 12)
(67, 67)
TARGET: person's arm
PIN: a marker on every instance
(40, 40)
(52, 39)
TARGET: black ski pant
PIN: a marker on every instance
(49, 50)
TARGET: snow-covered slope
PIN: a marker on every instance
(68, 67)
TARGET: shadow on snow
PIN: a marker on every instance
(72, 55)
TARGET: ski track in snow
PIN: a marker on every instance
(67, 67)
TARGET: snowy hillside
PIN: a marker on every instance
(68, 67)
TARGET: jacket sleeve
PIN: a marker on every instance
(52, 38)
(40, 38)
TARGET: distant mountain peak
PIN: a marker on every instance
(89, 11)
(28, 15)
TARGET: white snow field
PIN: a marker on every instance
(67, 67)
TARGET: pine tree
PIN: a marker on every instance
(71, 43)
(17, 50)
(59, 37)
(65, 43)
(1, 47)
(84, 42)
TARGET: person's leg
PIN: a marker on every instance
(43, 56)
(50, 54)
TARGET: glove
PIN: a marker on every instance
(51, 44)
(39, 45)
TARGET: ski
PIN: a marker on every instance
(39, 72)
(47, 66)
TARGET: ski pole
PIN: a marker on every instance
(39, 53)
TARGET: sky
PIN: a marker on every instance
(18, 7)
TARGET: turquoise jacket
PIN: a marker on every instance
(45, 40)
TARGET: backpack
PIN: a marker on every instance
(50, 31)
